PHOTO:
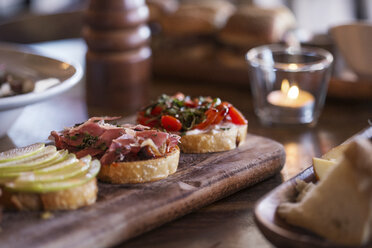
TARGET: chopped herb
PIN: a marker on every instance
(225, 128)
(78, 124)
(217, 101)
(88, 141)
(148, 112)
(103, 147)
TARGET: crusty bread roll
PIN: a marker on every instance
(198, 49)
(160, 8)
(141, 171)
(197, 18)
(232, 58)
(252, 26)
(67, 199)
(214, 141)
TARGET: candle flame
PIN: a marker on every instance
(293, 92)
(285, 86)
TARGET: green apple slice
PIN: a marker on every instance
(75, 169)
(70, 159)
(47, 154)
(45, 187)
(22, 152)
(15, 172)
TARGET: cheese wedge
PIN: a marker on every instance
(322, 166)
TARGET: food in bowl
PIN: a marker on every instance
(12, 84)
(339, 206)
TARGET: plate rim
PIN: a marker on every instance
(8, 103)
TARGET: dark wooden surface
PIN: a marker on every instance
(124, 211)
(276, 229)
(227, 222)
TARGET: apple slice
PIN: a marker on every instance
(15, 172)
(44, 187)
(70, 160)
(77, 168)
(22, 152)
(47, 154)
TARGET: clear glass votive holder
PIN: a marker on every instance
(289, 86)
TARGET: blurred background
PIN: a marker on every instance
(328, 12)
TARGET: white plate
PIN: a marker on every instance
(37, 67)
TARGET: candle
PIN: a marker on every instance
(291, 97)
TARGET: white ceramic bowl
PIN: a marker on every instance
(354, 41)
(38, 68)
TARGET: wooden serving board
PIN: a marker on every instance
(125, 211)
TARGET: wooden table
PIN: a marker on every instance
(228, 222)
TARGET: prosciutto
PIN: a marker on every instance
(114, 143)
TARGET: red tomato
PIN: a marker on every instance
(237, 117)
(170, 123)
(211, 115)
(190, 104)
(143, 120)
(156, 110)
(223, 110)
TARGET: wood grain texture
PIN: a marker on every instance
(124, 211)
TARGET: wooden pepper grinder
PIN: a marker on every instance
(118, 60)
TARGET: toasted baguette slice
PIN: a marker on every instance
(67, 199)
(141, 171)
(214, 141)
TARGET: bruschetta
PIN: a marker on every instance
(39, 177)
(205, 124)
(128, 153)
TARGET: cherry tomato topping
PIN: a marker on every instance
(236, 117)
(222, 112)
(156, 110)
(146, 121)
(170, 123)
(191, 104)
(211, 115)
